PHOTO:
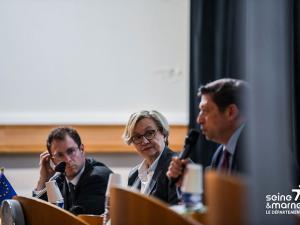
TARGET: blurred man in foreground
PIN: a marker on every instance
(222, 120)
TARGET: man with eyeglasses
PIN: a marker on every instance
(148, 131)
(85, 181)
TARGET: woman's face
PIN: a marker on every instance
(152, 141)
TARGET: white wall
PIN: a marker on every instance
(92, 62)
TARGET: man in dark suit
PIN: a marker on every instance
(84, 184)
(222, 119)
(237, 160)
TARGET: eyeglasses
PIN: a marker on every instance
(149, 135)
(71, 152)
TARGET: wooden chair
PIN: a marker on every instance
(91, 219)
(132, 208)
(39, 212)
(226, 199)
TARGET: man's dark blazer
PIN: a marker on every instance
(238, 160)
(90, 190)
(159, 185)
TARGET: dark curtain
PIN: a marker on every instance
(217, 43)
(296, 93)
(256, 40)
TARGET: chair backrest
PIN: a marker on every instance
(11, 212)
(226, 199)
(91, 219)
(132, 208)
(39, 212)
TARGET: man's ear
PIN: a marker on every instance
(81, 148)
(51, 159)
(232, 112)
(52, 162)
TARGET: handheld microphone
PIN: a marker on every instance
(60, 169)
(190, 141)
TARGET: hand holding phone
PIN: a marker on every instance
(46, 169)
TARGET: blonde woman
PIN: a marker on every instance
(148, 132)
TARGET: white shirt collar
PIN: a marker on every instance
(75, 180)
(143, 167)
(145, 173)
(231, 145)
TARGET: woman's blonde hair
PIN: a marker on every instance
(160, 121)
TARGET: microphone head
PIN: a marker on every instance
(60, 167)
(192, 137)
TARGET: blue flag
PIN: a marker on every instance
(6, 190)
